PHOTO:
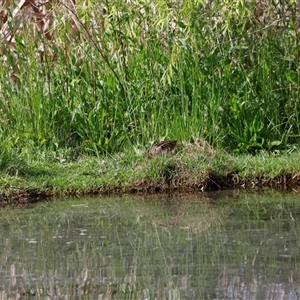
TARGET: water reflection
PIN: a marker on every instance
(192, 247)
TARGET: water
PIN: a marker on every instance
(234, 246)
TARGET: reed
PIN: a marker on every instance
(108, 76)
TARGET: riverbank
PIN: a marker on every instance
(86, 90)
(31, 177)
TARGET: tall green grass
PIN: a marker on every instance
(130, 73)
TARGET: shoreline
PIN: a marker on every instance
(192, 169)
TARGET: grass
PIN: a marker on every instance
(106, 80)
(193, 167)
(137, 72)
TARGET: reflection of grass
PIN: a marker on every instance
(120, 248)
(185, 219)
(126, 247)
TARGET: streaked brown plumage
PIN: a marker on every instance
(163, 147)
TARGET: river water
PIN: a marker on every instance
(228, 245)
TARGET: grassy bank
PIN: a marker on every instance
(84, 82)
(191, 168)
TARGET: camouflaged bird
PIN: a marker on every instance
(163, 147)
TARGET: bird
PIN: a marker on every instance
(162, 147)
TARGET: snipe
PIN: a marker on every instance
(163, 147)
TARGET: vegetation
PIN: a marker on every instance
(114, 75)
(105, 77)
(194, 167)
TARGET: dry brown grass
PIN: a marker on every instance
(198, 146)
(43, 15)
